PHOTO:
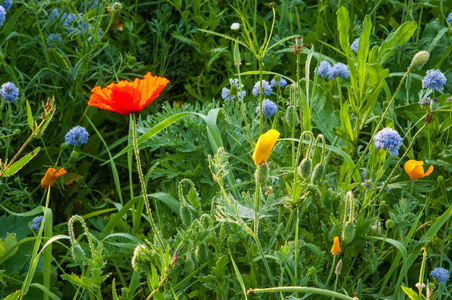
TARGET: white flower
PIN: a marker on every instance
(235, 26)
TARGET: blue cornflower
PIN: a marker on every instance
(441, 274)
(323, 70)
(389, 140)
(37, 223)
(354, 45)
(77, 136)
(425, 101)
(7, 4)
(281, 82)
(435, 80)
(269, 108)
(266, 88)
(449, 18)
(2, 15)
(230, 94)
(9, 92)
(339, 69)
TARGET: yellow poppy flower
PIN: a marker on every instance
(415, 170)
(264, 146)
(51, 175)
(336, 249)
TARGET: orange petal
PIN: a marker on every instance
(51, 175)
(265, 146)
(409, 165)
(336, 249)
(416, 173)
(429, 171)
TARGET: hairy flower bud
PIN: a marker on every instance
(262, 174)
(317, 174)
(78, 254)
(185, 215)
(306, 168)
(290, 115)
(189, 265)
(201, 253)
(419, 60)
(348, 232)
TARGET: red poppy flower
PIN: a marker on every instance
(126, 97)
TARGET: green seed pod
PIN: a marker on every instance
(189, 265)
(419, 60)
(390, 224)
(206, 221)
(74, 154)
(311, 271)
(317, 174)
(17, 132)
(262, 177)
(201, 253)
(306, 168)
(78, 254)
(63, 146)
(237, 58)
(185, 215)
(313, 249)
(290, 115)
(348, 232)
(17, 180)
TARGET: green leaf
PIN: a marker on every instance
(324, 116)
(363, 51)
(11, 23)
(29, 116)
(399, 37)
(168, 200)
(410, 293)
(345, 121)
(14, 296)
(343, 27)
(14, 168)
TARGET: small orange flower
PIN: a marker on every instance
(415, 170)
(336, 249)
(126, 97)
(51, 175)
(265, 146)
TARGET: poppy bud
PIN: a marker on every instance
(317, 174)
(338, 267)
(419, 60)
(314, 190)
(262, 176)
(206, 221)
(74, 154)
(201, 253)
(78, 254)
(237, 58)
(189, 265)
(313, 249)
(348, 232)
(305, 168)
(290, 115)
(185, 215)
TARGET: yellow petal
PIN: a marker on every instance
(336, 249)
(429, 171)
(409, 165)
(264, 146)
(416, 173)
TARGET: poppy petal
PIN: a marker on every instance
(429, 171)
(416, 173)
(409, 165)
(264, 146)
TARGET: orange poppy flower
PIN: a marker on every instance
(51, 175)
(415, 170)
(126, 97)
(265, 146)
(336, 249)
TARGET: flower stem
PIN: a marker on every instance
(142, 181)
(333, 265)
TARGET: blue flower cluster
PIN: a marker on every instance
(54, 39)
(77, 136)
(325, 69)
(37, 223)
(449, 18)
(365, 183)
(69, 21)
(9, 92)
(435, 80)
(425, 101)
(269, 108)
(441, 274)
(339, 69)
(7, 4)
(266, 88)
(281, 82)
(389, 140)
(2, 15)
(354, 45)
(230, 94)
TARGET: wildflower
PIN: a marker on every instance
(230, 94)
(269, 108)
(127, 97)
(52, 40)
(323, 70)
(9, 92)
(419, 60)
(435, 80)
(354, 45)
(278, 81)
(7, 4)
(116, 6)
(389, 140)
(420, 285)
(266, 88)
(37, 223)
(2, 15)
(449, 18)
(77, 136)
(424, 101)
(235, 26)
(449, 100)
(415, 170)
(51, 175)
(336, 249)
(441, 274)
(339, 69)
(265, 146)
